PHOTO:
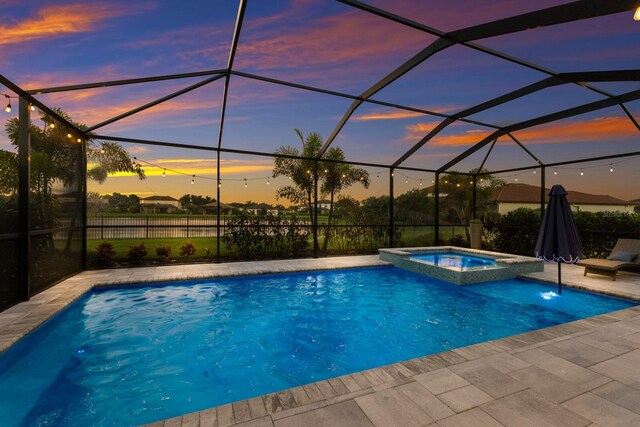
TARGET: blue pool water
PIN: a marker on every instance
(133, 355)
(455, 260)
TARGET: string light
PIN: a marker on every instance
(245, 183)
(102, 152)
(636, 15)
(516, 178)
(406, 180)
(69, 136)
(32, 107)
(581, 172)
(193, 178)
(344, 175)
(8, 107)
(534, 171)
(420, 183)
(458, 185)
(555, 172)
(79, 140)
(164, 173)
(268, 182)
(289, 177)
(362, 178)
(326, 171)
(52, 125)
(433, 180)
(611, 167)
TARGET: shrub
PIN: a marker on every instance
(137, 253)
(458, 240)
(104, 254)
(163, 252)
(188, 249)
(259, 236)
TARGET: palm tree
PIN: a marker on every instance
(333, 177)
(56, 157)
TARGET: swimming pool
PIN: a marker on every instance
(455, 260)
(132, 355)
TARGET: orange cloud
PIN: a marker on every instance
(592, 130)
(600, 129)
(62, 20)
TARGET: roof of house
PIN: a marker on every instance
(525, 193)
(160, 198)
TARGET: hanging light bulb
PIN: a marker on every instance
(102, 152)
(344, 175)
(52, 125)
(433, 180)
(581, 172)
(446, 182)
(32, 107)
(164, 172)
(636, 15)
(193, 178)
(326, 171)
(611, 167)
(8, 107)
(481, 179)
(245, 183)
(219, 184)
(69, 136)
(362, 178)
(555, 172)
(79, 140)
(420, 183)
(392, 174)
(406, 180)
(308, 171)
(516, 178)
(535, 171)
(458, 185)
(289, 177)
(268, 181)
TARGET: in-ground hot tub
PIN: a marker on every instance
(461, 266)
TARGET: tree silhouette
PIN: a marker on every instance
(333, 177)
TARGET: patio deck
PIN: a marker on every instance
(580, 373)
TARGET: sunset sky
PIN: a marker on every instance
(329, 45)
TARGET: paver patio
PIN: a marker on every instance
(581, 373)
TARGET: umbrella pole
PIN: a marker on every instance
(559, 277)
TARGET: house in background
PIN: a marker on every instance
(513, 196)
(159, 204)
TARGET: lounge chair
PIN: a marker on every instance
(609, 267)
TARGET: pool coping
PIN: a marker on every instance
(21, 319)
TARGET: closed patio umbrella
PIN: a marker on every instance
(558, 240)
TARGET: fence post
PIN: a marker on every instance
(315, 209)
(436, 214)
(24, 184)
(391, 224)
